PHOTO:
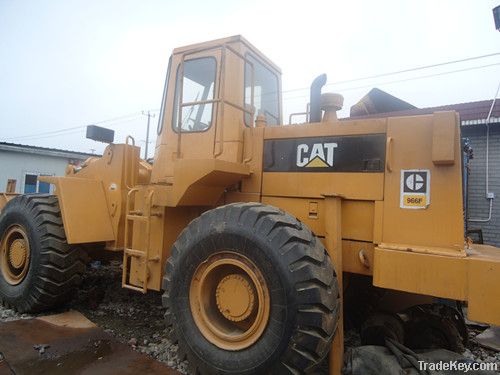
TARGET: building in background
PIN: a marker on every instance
(21, 165)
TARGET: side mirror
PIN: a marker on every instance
(99, 134)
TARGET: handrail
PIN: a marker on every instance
(129, 137)
(389, 154)
(306, 113)
(208, 101)
(296, 114)
(125, 164)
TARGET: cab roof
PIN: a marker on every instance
(227, 40)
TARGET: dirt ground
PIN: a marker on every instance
(130, 316)
(137, 319)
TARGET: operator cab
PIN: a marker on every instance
(213, 92)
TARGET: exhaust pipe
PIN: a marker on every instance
(315, 98)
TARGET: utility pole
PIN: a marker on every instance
(147, 133)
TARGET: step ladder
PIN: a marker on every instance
(143, 252)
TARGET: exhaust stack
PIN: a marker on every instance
(315, 98)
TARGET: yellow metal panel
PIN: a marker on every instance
(236, 196)
(473, 278)
(435, 275)
(378, 222)
(484, 285)
(357, 216)
(444, 134)
(300, 207)
(440, 225)
(254, 144)
(351, 257)
(322, 129)
(359, 186)
(357, 220)
(176, 219)
(84, 209)
(202, 182)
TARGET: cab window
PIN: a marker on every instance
(265, 96)
(164, 97)
(198, 86)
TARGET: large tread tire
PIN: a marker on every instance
(302, 282)
(55, 268)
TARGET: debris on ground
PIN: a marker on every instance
(41, 348)
(478, 353)
(489, 338)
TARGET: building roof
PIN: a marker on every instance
(67, 154)
(471, 113)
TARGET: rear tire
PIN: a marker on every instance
(297, 273)
(43, 271)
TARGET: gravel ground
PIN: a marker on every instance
(131, 317)
(137, 319)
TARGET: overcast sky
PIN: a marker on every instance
(69, 63)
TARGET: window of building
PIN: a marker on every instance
(198, 86)
(30, 181)
(266, 92)
(32, 185)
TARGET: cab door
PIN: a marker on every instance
(195, 108)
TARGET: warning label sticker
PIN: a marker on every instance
(415, 188)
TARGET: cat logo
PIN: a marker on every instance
(415, 188)
(320, 155)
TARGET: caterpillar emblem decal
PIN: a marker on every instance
(320, 156)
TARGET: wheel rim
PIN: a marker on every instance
(15, 254)
(229, 300)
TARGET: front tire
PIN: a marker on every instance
(250, 290)
(38, 269)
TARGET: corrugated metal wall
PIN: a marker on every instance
(478, 204)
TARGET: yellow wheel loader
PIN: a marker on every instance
(259, 233)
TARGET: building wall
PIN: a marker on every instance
(478, 204)
(15, 165)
